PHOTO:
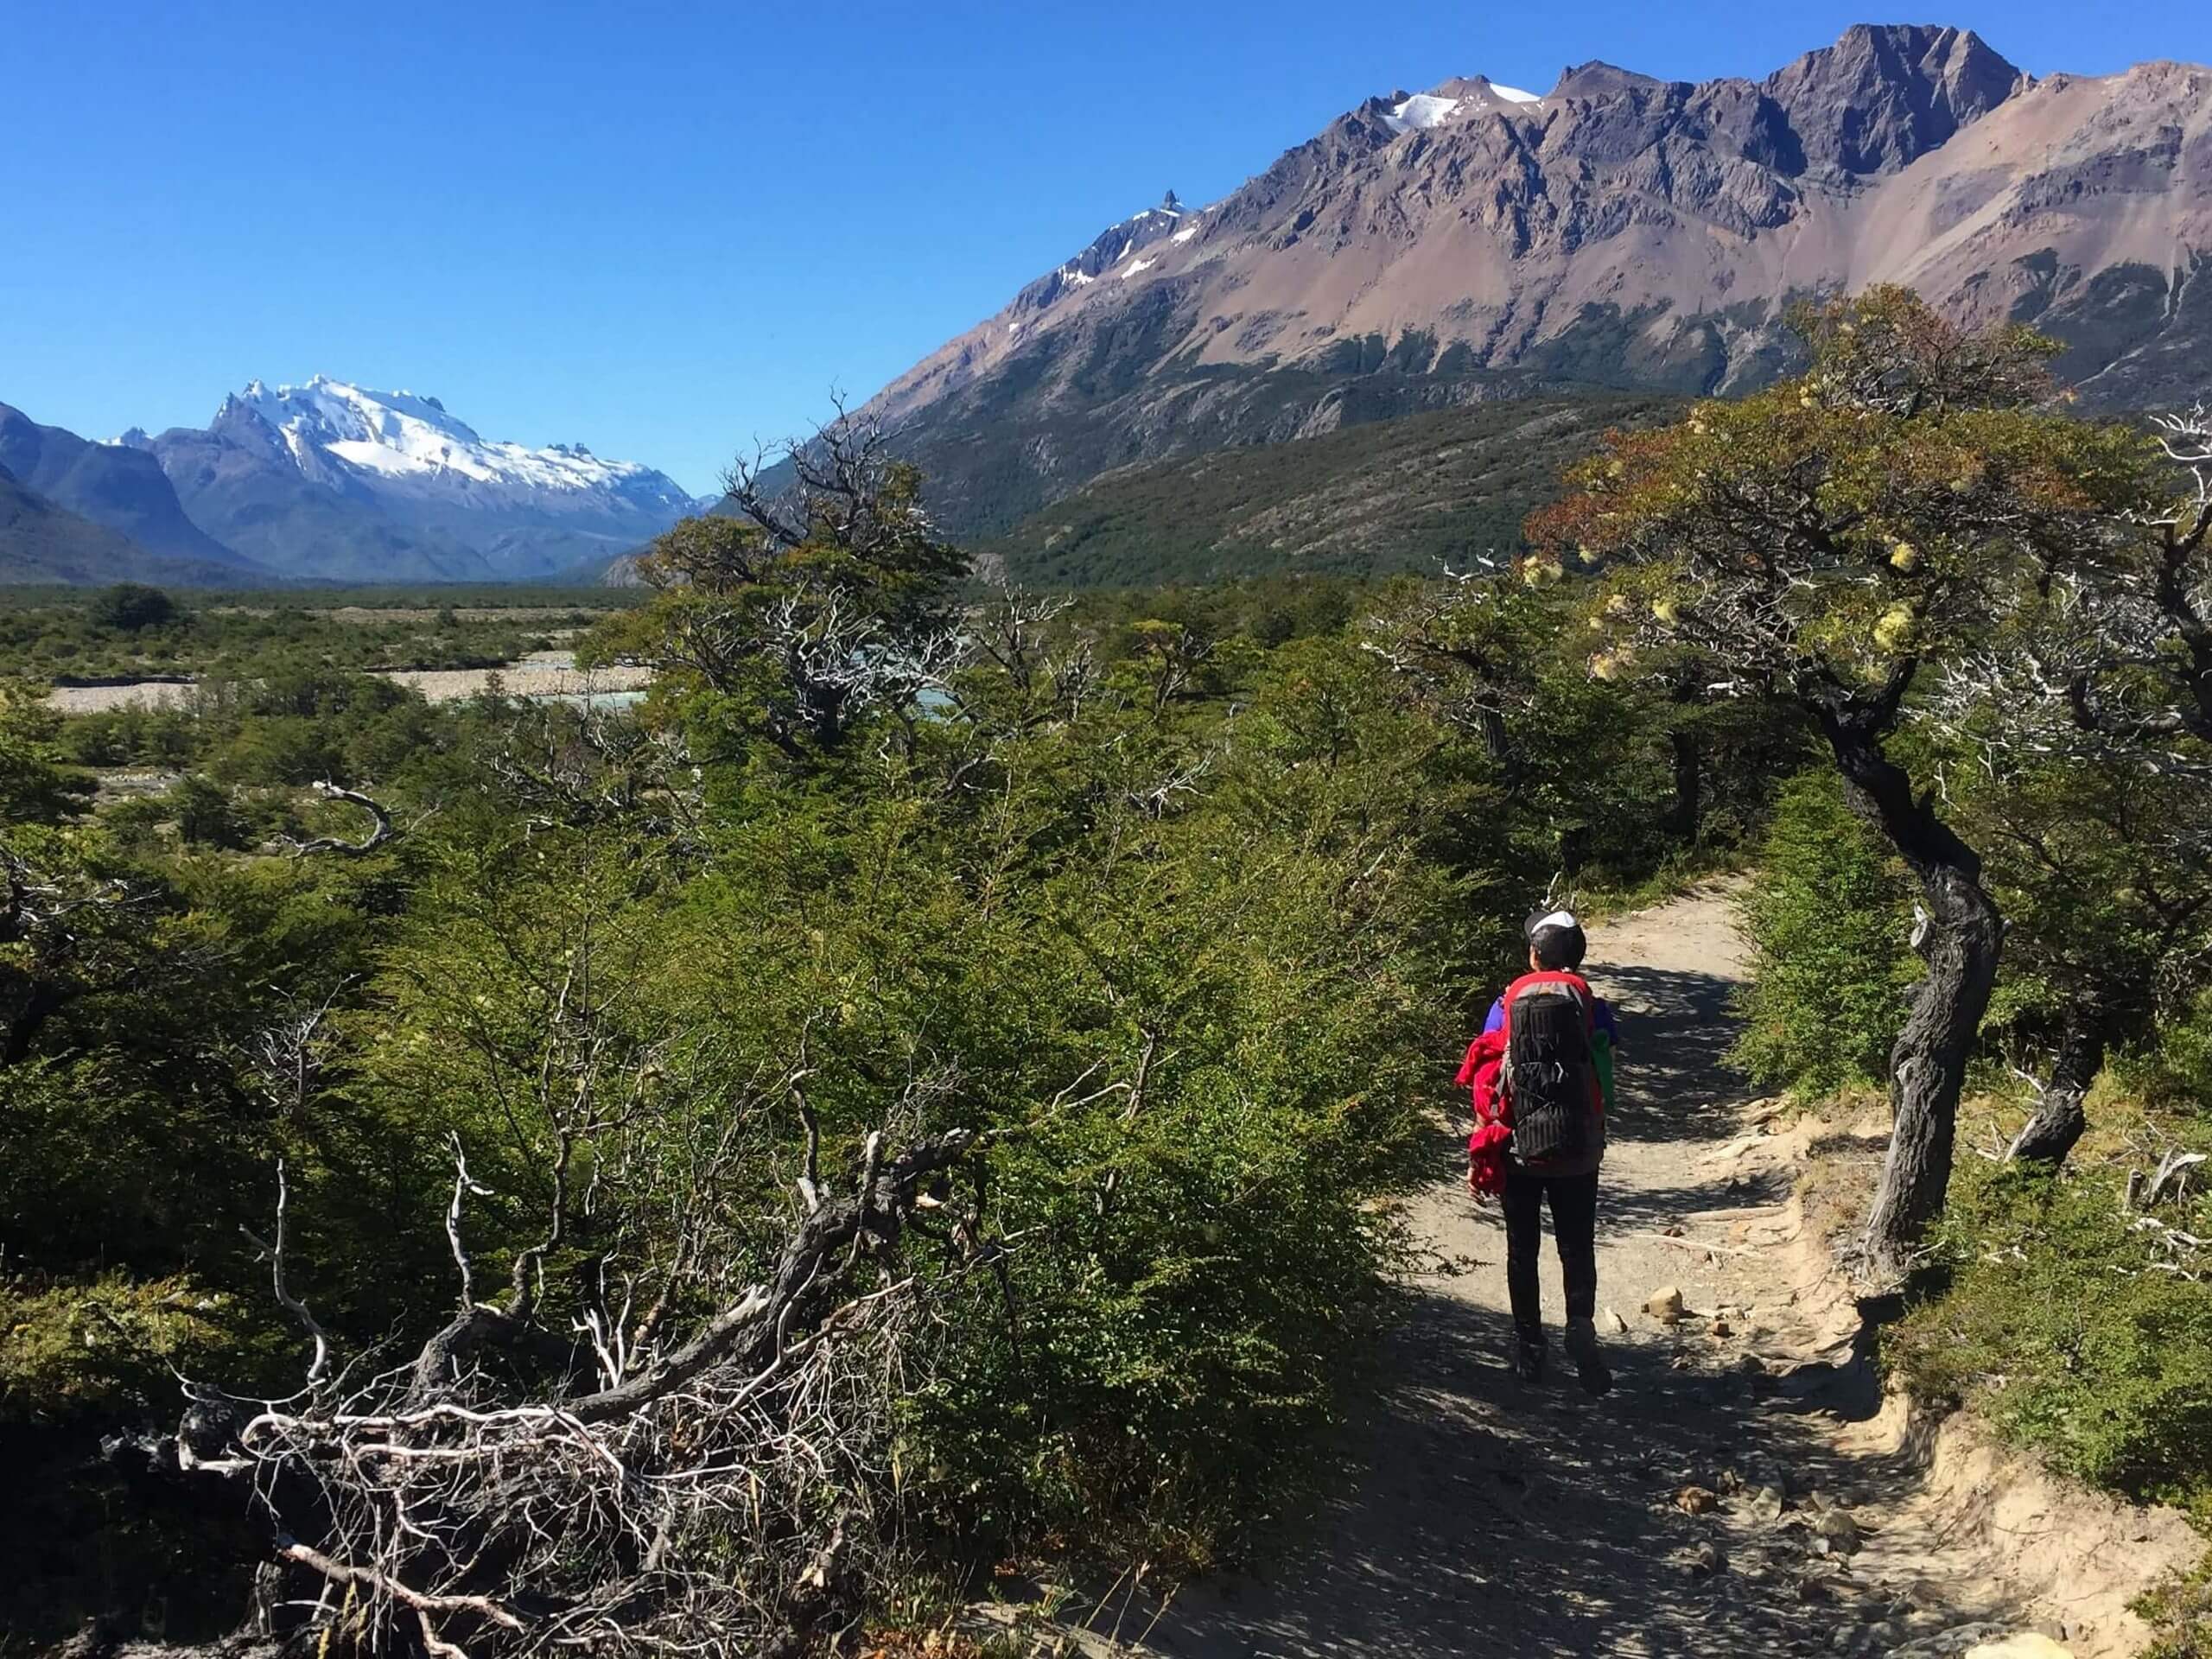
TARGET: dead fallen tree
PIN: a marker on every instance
(636, 1484)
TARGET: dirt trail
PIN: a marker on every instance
(1477, 1514)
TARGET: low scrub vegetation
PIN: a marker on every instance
(2077, 1321)
(1412, 494)
(927, 1090)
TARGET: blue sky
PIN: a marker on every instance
(665, 230)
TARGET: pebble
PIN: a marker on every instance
(1700, 1562)
(1764, 1504)
(1836, 1531)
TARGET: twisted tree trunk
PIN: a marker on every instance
(1960, 939)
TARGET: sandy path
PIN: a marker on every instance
(1475, 1514)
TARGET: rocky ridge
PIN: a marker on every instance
(1432, 249)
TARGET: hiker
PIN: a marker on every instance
(1541, 1076)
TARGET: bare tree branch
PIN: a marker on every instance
(380, 828)
(674, 1506)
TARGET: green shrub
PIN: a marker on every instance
(2180, 1611)
(2063, 1322)
(131, 608)
(1828, 917)
(205, 815)
(103, 1348)
(2175, 1071)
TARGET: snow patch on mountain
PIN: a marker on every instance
(1421, 113)
(1424, 112)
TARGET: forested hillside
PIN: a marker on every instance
(1418, 493)
(42, 540)
(924, 1095)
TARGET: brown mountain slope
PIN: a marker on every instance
(1475, 242)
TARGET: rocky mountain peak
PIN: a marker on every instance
(1473, 241)
(1885, 95)
(239, 420)
(1597, 78)
(1115, 252)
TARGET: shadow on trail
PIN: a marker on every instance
(1676, 1028)
(1479, 1514)
(1469, 1512)
(1622, 1209)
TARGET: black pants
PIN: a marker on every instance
(1574, 1200)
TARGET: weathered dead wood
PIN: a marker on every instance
(380, 827)
(465, 1510)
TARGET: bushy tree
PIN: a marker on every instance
(1825, 913)
(37, 783)
(132, 608)
(822, 599)
(2104, 874)
(1830, 542)
(2086, 716)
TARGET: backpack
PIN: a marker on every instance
(1550, 1073)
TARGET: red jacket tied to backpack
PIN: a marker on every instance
(1482, 1073)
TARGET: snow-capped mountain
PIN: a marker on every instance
(403, 441)
(331, 479)
(1475, 240)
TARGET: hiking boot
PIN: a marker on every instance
(1589, 1359)
(1528, 1359)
